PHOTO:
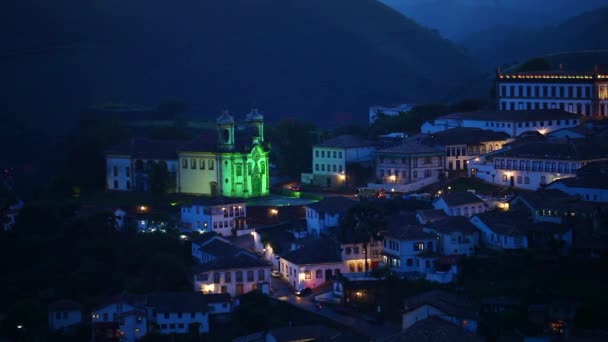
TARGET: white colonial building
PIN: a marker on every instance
(311, 265)
(590, 183)
(235, 275)
(584, 93)
(330, 160)
(179, 312)
(460, 204)
(406, 248)
(455, 235)
(210, 215)
(326, 213)
(442, 305)
(529, 165)
(513, 123)
(122, 317)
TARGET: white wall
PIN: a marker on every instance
(209, 286)
(196, 180)
(466, 210)
(586, 194)
(295, 275)
(495, 240)
(212, 218)
(119, 173)
(316, 224)
(171, 322)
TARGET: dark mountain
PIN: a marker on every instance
(456, 19)
(502, 45)
(310, 58)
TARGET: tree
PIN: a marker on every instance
(534, 64)
(292, 141)
(161, 181)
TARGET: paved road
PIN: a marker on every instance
(281, 291)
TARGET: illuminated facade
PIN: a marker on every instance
(584, 93)
(231, 163)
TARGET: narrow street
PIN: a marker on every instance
(281, 291)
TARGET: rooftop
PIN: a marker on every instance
(304, 333)
(513, 115)
(405, 231)
(332, 205)
(318, 251)
(593, 175)
(431, 215)
(346, 141)
(434, 329)
(179, 302)
(464, 136)
(413, 148)
(448, 303)
(453, 224)
(460, 198)
(65, 305)
(219, 248)
(239, 261)
(572, 150)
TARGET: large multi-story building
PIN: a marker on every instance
(330, 160)
(221, 216)
(584, 93)
(513, 123)
(529, 165)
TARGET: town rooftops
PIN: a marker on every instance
(400, 230)
(512, 222)
(413, 147)
(573, 150)
(179, 302)
(302, 333)
(332, 205)
(220, 248)
(322, 251)
(464, 136)
(278, 236)
(147, 149)
(450, 304)
(592, 176)
(453, 224)
(552, 199)
(512, 115)
(460, 198)
(239, 261)
(65, 305)
(345, 141)
(434, 329)
(430, 215)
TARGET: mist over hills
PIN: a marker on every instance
(315, 59)
(500, 45)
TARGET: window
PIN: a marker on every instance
(319, 274)
(239, 276)
(227, 277)
(128, 171)
(261, 275)
(355, 250)
(180, 325)
(179, 315)
(415, 174)
(504, 178)
(115, 171)
(172, 326)
(115, 184)
(216, 277)
(335, 154)
(184, 163)
(307, 274)
(317, 153)
(193, 163)
(339, 168)
(428, 173)
(334, 168)
(427, 160)
(418, 246)
(322, 154)
(250, 276)
(340, 155)
(316, 167)
(201, 164)
(210, 163)
(347, 250)
(322, 167)
(519, 178)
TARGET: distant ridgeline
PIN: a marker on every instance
(130, 112)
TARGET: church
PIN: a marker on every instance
(231, 161)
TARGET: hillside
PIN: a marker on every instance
(313, 58)
(453, 18)
(502, 45)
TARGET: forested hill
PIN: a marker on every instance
(312, 58)
(500, 45)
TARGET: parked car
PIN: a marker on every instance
(303, 292)
(296, 187)
(275, 274)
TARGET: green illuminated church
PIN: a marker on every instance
(231, 162)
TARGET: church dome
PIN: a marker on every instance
(225, 119)
(254, 116)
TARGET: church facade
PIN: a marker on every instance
(234, 163)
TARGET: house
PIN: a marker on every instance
(64, 314)
(513, 123)
(443, 305)
(590, 183)
(211, 246)
(315, 263)
(434, 329)
(230, 162)
(219, 303)
(235, 275)
(464, 143)
(129, 166)
(356, 255)
(119, 216)
(408, 167)
(530, 165)
(331, 158)
(404, 245)
(274, 241)
(501, 230)
(122, 317)
(584, 93)
(326, 213)
(456, 235)
(224, 216)
(555, 206)
(425, 216)
(179, 312)
(460, 204)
